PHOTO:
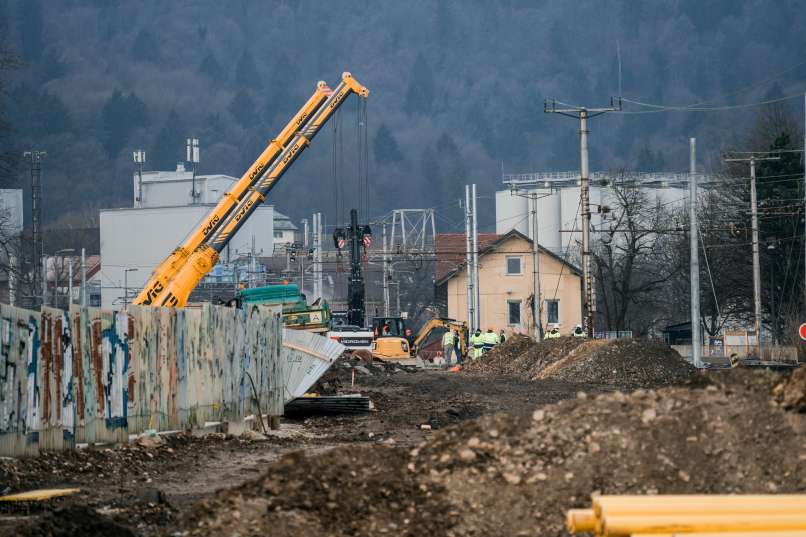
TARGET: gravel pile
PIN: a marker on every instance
(521, 356)
(625, 364)
(505, 475)
(791, 394)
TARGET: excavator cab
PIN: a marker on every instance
(390, 341)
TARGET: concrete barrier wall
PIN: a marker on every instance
(91, 375)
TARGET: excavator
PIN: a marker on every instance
(443, 324)
(175, 278)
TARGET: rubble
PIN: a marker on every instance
(791, 394)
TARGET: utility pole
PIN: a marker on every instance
(70, 284)
(756, 260)
(305, 233)
(385, 273)
(12, 280)
(583, 114)
(538, 304)
(83, 278)
(804, 199)
(471, 294)
(35, 158)
(694, 266)
(477, 298)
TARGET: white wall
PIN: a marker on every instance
(169, 189)
(11, 210)
(142, 238)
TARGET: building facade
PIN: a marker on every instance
(506, 288)
(135, 240)
(285, 232)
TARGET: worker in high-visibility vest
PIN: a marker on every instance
(490, 340)
(477, 343)
(447, 347)
(578, 332)
(554, 333)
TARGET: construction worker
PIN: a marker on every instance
(489, 340)
(447, 347)
(578, 332)
(554, 333)
(457, 349)
(477, 342)
(501, 337)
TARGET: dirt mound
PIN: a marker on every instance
(521, 356)
(626, 364)
(77, 520)
(791, 394)
(505, 475)
(363, 491)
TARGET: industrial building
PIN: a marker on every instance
(557, 195)
(134, 240)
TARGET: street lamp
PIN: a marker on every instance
(56, 274)
(126, 272)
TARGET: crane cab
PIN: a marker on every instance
(389, 339)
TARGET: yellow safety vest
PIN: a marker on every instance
(447, 339)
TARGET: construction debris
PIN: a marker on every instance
(327, 404)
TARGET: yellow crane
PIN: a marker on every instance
(175, 278)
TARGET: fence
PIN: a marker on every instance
(91, 375)
(723, 353)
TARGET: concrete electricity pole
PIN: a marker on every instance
(193, 158)
(471, 294)
(83, 300)
(583, 114)
(696, 337)
(477, 297)
(756, 260)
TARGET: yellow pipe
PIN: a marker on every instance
(580, 520)
(613, 504)
(37, 495)
(626, 525)
(727, 534)
(700, 508)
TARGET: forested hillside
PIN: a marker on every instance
(457, 88)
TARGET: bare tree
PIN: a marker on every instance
(634, 261)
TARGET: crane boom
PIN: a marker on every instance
(166, 270)
(205, 256)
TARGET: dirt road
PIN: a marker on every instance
(148, 488)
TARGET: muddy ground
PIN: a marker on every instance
(474, 453)
(148, 488)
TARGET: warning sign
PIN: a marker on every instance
(802, 331)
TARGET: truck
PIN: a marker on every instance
(297, 314)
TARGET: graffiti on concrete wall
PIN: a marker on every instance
(91, 375)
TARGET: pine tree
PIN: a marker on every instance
(420, 94)
(242, 108)
(168, 147)
(210, 67)
(31, 26)
(246, 73)
(120, 116)
(145, 48)
(385, 147)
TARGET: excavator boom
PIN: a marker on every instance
(177, 290)
(166, 270)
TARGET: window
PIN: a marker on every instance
(513, 312)
(553, 311)
(513, 265)
(278, 234)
